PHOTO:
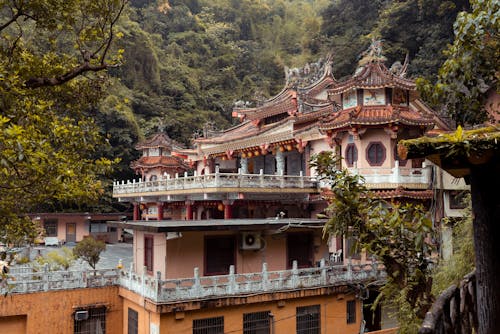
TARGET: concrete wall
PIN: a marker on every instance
(53, 312)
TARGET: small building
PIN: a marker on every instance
(73, 227)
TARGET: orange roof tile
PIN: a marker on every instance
(374, 115)
(159, 161)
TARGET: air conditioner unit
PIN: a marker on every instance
(81, 315)
(250, 241)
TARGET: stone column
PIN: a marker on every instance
(136, 214)
(244, 165)
(159, 205)
(189, 210)
(280, 163)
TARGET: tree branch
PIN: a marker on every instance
(59, 80)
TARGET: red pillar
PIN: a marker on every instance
(189, 210)
(136, 211)
(228, 210)
(160, 210)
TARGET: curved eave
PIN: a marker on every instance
(271, 107)
(356, 123)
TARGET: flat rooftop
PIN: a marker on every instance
(159, 226)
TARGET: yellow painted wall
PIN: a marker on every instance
(333, 316)
(144, 317)
(13, 325)
(52, 312)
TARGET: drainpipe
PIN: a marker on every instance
(271, 318)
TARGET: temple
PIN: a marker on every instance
(226, 237)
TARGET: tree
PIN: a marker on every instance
(471, 68)
(395, 234)
(89, 250)
(52, 58)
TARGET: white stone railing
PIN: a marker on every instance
(29, 280)
(234, 285)
(394, 176)
(158, 290)
(215, 180)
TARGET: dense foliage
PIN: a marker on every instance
(471, 71)
(52, 55)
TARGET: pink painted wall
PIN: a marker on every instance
(159, 252)
(186, 253)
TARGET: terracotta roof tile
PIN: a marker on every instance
(375, 115)
(160, 161)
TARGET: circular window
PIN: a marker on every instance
(375, 154)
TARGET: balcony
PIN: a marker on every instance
(392, 178)
(216, 182)
(234, 285)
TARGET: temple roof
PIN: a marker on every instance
(373, 75)
(160, 139)
(247, 134)
(284, 102)
(172, 162)
(375, 115)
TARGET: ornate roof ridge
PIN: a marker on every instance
(372, 75)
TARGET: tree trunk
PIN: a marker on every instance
(485, 187)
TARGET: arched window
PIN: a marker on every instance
(375, 154)
(153, 178)
(351, 154)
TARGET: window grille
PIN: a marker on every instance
(50, 226)
(351, 311)
(256, 323)
(308, 320)
(209, 326)
(94, 322)
(133, 319)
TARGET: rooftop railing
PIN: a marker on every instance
(159, 290)
(27, 279)
(215, 180)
